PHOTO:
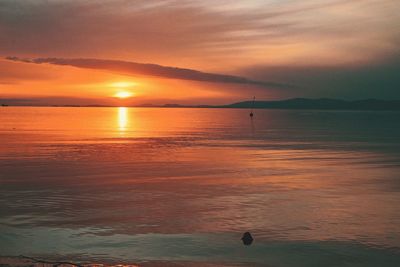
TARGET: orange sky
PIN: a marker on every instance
(92, 86)
(284, 49)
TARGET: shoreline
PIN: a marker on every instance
(24, 261)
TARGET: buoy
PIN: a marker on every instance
(252, 107)
(247, 239)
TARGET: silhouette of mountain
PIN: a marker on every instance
(321, 103)
(293, 103)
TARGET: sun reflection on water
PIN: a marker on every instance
(122, 119)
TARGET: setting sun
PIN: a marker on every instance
(123, 94)
(199, 133)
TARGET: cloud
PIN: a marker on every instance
(307, 43)
(134, 68)
(379, 80)
(13, 73)
(218, 34)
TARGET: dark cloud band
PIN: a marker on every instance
(134, 68)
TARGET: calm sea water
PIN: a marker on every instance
(149, 185)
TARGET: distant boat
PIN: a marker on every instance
(252, 106)
(4, 105)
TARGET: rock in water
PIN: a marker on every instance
(247, 239)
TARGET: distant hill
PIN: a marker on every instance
(294, 103)
(321, 103)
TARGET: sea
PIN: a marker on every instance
(180, 186)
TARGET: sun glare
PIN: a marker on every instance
(122, 84)
(123, 94)
(122, 89)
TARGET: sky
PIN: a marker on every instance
(120, 52)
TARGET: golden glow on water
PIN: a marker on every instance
(123, 119)
(170, 170)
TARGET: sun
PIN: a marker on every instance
(123, 94)
(122, 89)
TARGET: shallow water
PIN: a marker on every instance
(315, 188)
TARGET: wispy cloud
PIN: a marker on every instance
(279, 39)
(225, 34)
(134, 68)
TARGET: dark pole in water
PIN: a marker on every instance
(252, 106)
